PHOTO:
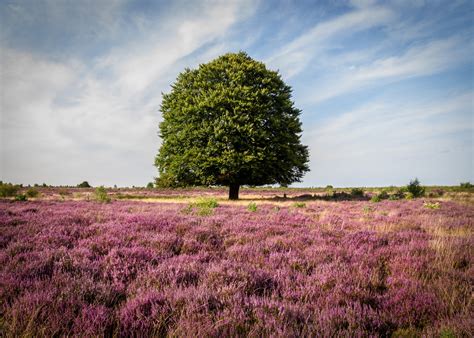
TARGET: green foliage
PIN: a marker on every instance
(400, 193)
(150, 185)
(230, 122)
(415, 188)
(100, 195)
(466, 185)
(21, 198)
(252, 207)
(328, 187)
(383, 195)
(32, 192)
(84, 184)
(299, 205)
(203, 206)
(431, 205)
(357, 192)
(208, 202)
(8, 189)
(375, 199)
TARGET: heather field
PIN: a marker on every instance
(159, 263)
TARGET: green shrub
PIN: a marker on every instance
(252, 207)
(32, 193)
(375, 199)
(400, 193)
(431, 205)
(84, 184)
(409, 196)
(415, 188)
(210, 203)
(329, 187)
(299, 205)
(466, 185)
(357, 192)
(100, 195)
(383, 195)
(150, 185)
(8, 190)
(204, 206)
(21, 198)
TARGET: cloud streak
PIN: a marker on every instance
(105, 109)
(81, 84)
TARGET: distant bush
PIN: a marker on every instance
(375, 199)
(329, 187)
(8, 189)
(466, 185)
(299, 205)
(100, 195)
(21, 198)
(357, 192)
(252, 207)
(415, 188)
(399, 194)
(150, 185)
(32, 193)
(383, 195)
(84, 184)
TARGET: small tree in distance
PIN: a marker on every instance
(230, 122)
(84, 184)
(415, 189)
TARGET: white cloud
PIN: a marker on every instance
(292, 58)
(421, 60)
(80, 121)
(391, 140)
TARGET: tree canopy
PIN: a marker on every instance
(230, 122)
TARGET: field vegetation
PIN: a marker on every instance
(280, 262)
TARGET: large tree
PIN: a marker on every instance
(230, 122)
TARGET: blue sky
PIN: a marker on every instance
(385, 88)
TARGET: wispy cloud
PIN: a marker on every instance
(293, 57)
(420, 60)
(81, 83)
(389, 137)
(102, 108)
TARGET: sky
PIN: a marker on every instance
(385, 87)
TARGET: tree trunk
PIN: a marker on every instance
(234, 191)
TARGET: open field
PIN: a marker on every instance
(156, 262)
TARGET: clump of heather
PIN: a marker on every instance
(347, 268)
